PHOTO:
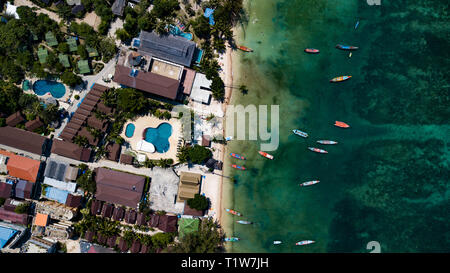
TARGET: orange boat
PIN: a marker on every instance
(341, 124)
(340, 79)
(246, 49)
(266, 155)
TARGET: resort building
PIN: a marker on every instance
(15, 119)
(119, 187)
(23, 167)
(118, 6)
(51, 39)
(23, 140)
(201, 91)
(12, 217)
(71, 150)
(189, 186)
(83, 67)
(166, 223)
(38, 245)
(56, 210)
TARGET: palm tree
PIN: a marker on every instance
(101, 152)
(81, 141)
(37, 109)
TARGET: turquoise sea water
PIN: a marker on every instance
(159, 137)
(42, 87)
(387, 179)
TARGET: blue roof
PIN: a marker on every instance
(56, 194)
(5, 235)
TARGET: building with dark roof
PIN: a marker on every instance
(113, 150)
(89, 235)
(14, 119)
(190, 211)
(171, 48)
(107, 210)
(144, 249)
(77, 8)
(130, 216)
(73, 201)
(147, 81)
(96, 207)
(23, 189)
(111, 241)
(140, 219)
(118, 214)
(118, 6)
(126, 159)
(168, 223)
(23, 140)
(135, 247)
(154, 220)
(5, 190)
(33, 124)
(123, 246)
(12, 217)
(101, 239)
(71, 150)
(119, 187)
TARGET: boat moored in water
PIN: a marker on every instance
(238, 167)
(237, 156)
(317, 150)
(312, 50)
(243, 222)
(346, 47)
(266, 155)
(231, 239)
(357, 24)
(306, 242)
(246, 49)
(327, 142)
(277, 242)
(233, 212)
(300, 133)
(309, 183)
(340, 79)
(341, 124)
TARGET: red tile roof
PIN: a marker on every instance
(23, 167)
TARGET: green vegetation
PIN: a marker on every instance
(71, 79)
(398, 189)
(2, 201)
(86, 181)
(22, 208)
(161, 240)
(199, 202)
(208, 239)
(196, 154)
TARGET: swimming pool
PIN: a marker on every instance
(159, 137)
(129, 131)
(42, 87)
(175, 30)
(5, 235)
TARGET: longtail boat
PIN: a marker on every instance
(277, 242)
(306, 242)
(266, 155)
(317, 150)
(238, 167)
(300, 133)
(309, 183)
(233, 212)
(327, 142)
(340, 79)
(341, 124)
(346, 47)
(243, 222)
(237, 156)
(231, 239)
(246, 49)
(312, 50)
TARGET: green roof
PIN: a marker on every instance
(42, 55)
(187, 225)
(50, 38)
(64, 60)
(92, 51)
(72, 42)
(83, 66)
(35, 37)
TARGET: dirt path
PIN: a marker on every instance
(39, 10)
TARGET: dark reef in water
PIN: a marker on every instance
(406, 80)
(396, 196)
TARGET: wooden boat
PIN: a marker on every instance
(266, 155)
(238, 167)
(231, 239)
(346, 47)
(317, 150)
(327, 142)
(237, 156)
(309, 183)
(277, 242)
(300, 133)
(246, 49)
(357, 24)
(341, 124)
(233, 212)
(306, 242)
(340, 79)
(243, 222)
(312, 50)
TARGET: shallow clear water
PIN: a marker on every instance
(159, 137)
(129, 131)
(42, 87)
(387, 179)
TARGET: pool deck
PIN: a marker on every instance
(144, 122)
